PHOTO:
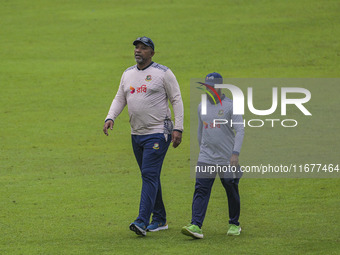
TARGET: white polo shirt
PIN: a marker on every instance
(147, 92)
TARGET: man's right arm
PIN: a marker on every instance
(116, 108)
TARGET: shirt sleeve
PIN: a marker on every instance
(200, 126)
(175, 98)
(238, 125)
(118, 102)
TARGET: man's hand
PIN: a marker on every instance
(234, 160)
(108, 125)
(176, 138)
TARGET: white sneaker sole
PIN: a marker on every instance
(187, 232)
(159, 228)
(199, 236)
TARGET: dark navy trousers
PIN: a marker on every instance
(202, 195)
(150, 151)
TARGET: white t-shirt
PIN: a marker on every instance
(146, 92)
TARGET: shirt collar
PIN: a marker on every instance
(145, 67)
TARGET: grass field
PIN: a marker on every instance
(68, 189)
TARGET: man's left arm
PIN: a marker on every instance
(174, 94)
(239, 128)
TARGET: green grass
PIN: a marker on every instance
(67, 189)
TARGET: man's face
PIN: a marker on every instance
(143, 53)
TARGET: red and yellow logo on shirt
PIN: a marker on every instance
(210, 125)
(148, 78)
(141, 89)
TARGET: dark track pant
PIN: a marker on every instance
(150, 151)
(202, 194)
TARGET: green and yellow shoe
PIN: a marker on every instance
(234, 230)
(193, 231)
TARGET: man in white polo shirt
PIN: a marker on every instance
(146, 89)
(219, 145)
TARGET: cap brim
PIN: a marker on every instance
(139, 41)
(207, 83)
(210, 83)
